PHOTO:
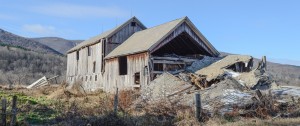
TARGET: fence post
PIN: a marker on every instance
(198, 105)
(13, 111)
(3, 112)
(116, 102)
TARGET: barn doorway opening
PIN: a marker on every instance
(122, 65)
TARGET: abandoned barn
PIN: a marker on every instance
(130, 55)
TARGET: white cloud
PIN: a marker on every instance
(79, 11)
(39, 29)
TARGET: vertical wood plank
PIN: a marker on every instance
(13, 111)
(116, 102)
(3, 112)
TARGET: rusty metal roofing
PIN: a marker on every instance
(143, 40)
(105, 34)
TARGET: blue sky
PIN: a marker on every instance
(256, 27)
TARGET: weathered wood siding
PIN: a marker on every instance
(135, 63)
(82, 70)
(119, 37)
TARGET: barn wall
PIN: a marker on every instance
(82, 70)
(119, 37)
(135, 63)
(71, 66)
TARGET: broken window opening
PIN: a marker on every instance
(122, 65)
(133, 24)
(137, 78)
(89, 50)
(94, 66)
(95, 77)
(77, 55)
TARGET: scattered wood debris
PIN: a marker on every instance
(41, 82)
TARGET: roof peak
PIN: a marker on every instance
(178, 19)
(105, 34)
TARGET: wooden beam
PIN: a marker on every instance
(168, 62)
(184, 59)
(171, 72)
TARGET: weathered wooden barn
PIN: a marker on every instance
(130, 56)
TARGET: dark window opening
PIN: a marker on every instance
(122, 65)
(94, 66)
(95, 77)
(158, 67)
(137, 78)
(89, 50)
(86, 78)
(77, 55)
(91, 78)
(133, 24)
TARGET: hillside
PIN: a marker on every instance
(59, 44)
(15, 40)
(20, 66)
(284, 74)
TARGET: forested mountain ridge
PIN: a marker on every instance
(59, 44)
(15, 40)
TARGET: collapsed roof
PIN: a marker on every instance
(218, 68)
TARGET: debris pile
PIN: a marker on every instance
(229, 86)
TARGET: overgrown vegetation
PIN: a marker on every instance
(18, 66)
(56, 106)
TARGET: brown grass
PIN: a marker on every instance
(97, 109)
(255, 122)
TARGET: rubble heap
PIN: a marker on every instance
(228, 85)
